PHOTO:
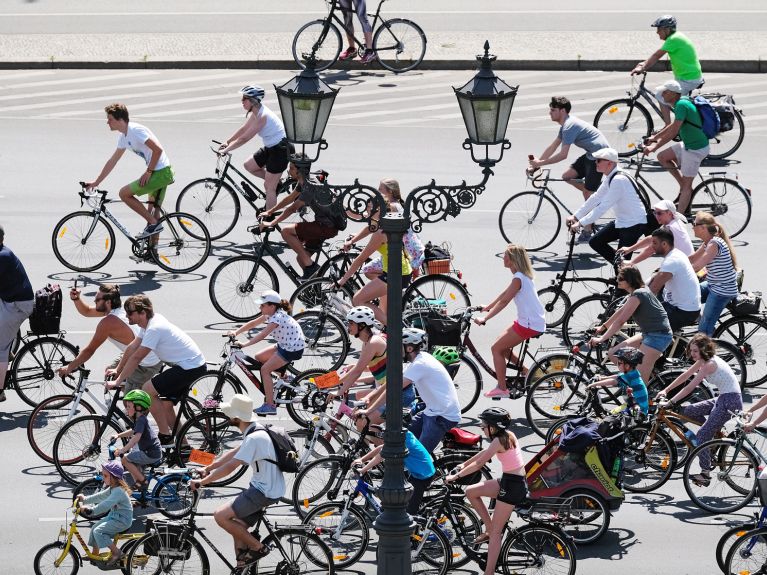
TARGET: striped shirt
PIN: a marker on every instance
(721, 275)
(633, 380)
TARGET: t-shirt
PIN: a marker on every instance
(288, 333)
(582, 134)
(171, 344)
(530, 313)
(691, 132)
(135, 141)
(682, 290)
(633, 380)
(14, 282)
(418, 461)
(650, 315)
(435, 387)
(684, 59)
(256, 447)
(148, 443)
(406, 268)
(323, 213)
(682, 240)
(151, 358)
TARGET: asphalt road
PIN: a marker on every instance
(53, 135)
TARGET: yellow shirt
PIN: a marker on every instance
(384, 251)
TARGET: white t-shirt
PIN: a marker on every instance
(682, 240)
(255, 448)
(530, 313)
(151, 358)
(171, 344)
(435, 387)
(288, 333)
(135, 141)
(682, 290)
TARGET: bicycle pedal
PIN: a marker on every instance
(516, 393)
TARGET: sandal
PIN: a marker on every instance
(481, 538)
(250, 556)
(114, 559)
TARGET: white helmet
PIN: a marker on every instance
(361, 315)
(413, 336)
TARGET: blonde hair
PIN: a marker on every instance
(715, 229)
(518, 256)
(393, 186)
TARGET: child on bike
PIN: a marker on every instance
(275, 311)
(627, 359)
(115, 498)
(143, 448)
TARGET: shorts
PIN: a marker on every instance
(174, 383)
(313, 234)
(140, 376)
(290, 355)
(408, 397)
(513, 489)
(658, 340)
(587, 169)
(12, 315)
(275, 159)
(689, 160)
(524, 332)
(405, 279)
(249, 504)
(679, 318)
(135, 455)
(156, 186)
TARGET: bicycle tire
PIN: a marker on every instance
(338, 264)
(725, 199)
(77, 253)
(430, 552)
(231, 292)
(42, 563)
(724, 145)
(549, 363)
(302, 399)
(468, 383)
(315, 480)
(48, 418)
(346, 536)
(426, 290)
(183, 245)
(214, 202)
(622, 126)
(204, 387)
(647, 467)
(327, 342)
(525, 218)
(322, 448)
(328, 44)
(749, 335)
(173, 496)
(555, 304)
(537, 549)
(321, 292)
(399, 44)
(162, 552)
(586, 508)
(303, 550)
(471, 523)
(727, 540)
(35, 366)
(552, 397)
(78, 446)
(748, 553)
(583, 315)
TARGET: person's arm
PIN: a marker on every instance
(507, 295)
(549, 157)
(83, 308)
(135, 438)
(705, 370)
(641, 244)
(658, 280)
(352, 376)
(286, 213)
(270, 327)
(103, 329)
(693, 369)
(646, 252)
(701, 258)
(665, 135)
(592, 201)
(130, 366)
(476, 462)
(616, 321)
(611, 381)
(607, 198)
(378, 397)
(753, 409)
(253, 126)
(376, 240)
(248, 326)
(642, 66)
(218, 473)
(373, 458)
(130, 350)
(107, 169)
(287, 200)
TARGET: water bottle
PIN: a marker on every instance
(690, 435)
(617, 467)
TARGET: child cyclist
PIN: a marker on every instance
(627, 358)
(115, 498)
(509, 491)
(143, 447)
(275, 311)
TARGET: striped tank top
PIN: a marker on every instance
(377, 367)
(721, 275)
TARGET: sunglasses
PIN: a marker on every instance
(697, 224)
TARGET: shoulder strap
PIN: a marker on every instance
(686, 121)
(634, 184)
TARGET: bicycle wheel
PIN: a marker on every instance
(733, 480)
(399, 44)
(748, 553)
(322, 293)
(183, 245)
(725, 144)
(204, 388)
(555, 304)
(35, 366)
(624, 123)
(316, 448)
(552, 397)
(235, 284)
(471, 524)
(295, 550)
(430, 552)
(210, 432)
(726, 200)
(162, 551)
(436, 290)
(749, 335)
(343, 529)
(301, 397)
(315, 480)
(82, 242)
(727, 540)
(48, 418)
(537, 549)
(530, 219)
(589, 517)
(173, 496)
(45, 560)
(467, 382)
(213, 202)
(585, 314)
(646, 467)
(79, 449)
(327, 342)
(324, 41)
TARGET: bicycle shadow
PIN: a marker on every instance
(134, 282)
(14, 420)
(614, 544)
(681, 509)
(556, 262)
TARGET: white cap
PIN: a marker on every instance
(606, 154)
(671, 86)
(668, 206)
(268, 296)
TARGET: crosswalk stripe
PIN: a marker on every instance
(84, 80)
(4, 76)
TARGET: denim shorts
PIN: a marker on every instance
(290, 355)
(657, 340)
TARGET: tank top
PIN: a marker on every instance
(511, 459)
(384, 251)
(377, 367)
(273, 131)
(530, 312)
(151, 358)
(723, 378)
(722, 277)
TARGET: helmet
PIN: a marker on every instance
(496, 416)
(362, 315)
(630, 355)
(253, 92)
(413, 336)
(446, 354)
(666, 21)
(114, 468)
(139, 397)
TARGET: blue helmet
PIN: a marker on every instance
(253, 92)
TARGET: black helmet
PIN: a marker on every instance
(667, 21)
(496, 416)
(630, 355)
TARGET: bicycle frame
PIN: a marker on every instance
(20, 342)
(73, 531)
(541, 183)
(333, 17)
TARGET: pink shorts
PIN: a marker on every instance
(525, 332)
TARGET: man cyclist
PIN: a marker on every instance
(360, 8)
(575, 131)
(154, 181)
(684, 61)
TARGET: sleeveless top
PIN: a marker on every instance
(723, 378)
(511, 459)
(384, 251)
(530, 313)
(377, 367)
(273, 131)
(151, 358)
(722, 277)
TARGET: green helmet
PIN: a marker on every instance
(446, 354)
(140, 398)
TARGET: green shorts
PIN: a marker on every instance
(156, 186)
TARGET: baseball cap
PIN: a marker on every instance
(672, 86)
(606, 154)
(668, 206)
(268, 296)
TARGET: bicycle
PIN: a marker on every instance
(614, 120)
(748, 333)
(84, 241)
(400, 44)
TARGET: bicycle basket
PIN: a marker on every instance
(166, 542)
(443, 330)
(438, 267)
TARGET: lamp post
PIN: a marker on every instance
(485, 102)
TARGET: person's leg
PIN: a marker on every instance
(127, 195)
(685, 194)
(134, 470)
(419, 488)
(271, 181)
(501, 515)
(254, 168)
(600, 241)
(226, 518)
(502, 351)
(272, 361)
(346, 6)
(645, 368)
(474, 495)
(570, 175)
(290, 235)
(711, 311)
(157, 410)
(370, 291)
(718, 416)
(434, 429)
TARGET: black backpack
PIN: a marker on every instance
(284, 447)
(46, 315)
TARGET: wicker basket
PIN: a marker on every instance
(438, 266)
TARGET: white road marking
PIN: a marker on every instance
(315, 12)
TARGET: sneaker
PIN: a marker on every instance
(310, 271)
(166, 440)
(348, 54)
(150, 230)
(368, 57)
(2, 395)
(266, 409)
(701, 479)
(584, 237)
(497, 392)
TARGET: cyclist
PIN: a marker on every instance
(683, 158)
(17, 300)
(267, 484)
(172, 346)
(275, 312)
(627, 358)
(154, 181)
(666, 215)
(616, 192)
(684, 60)
(582, 134)
(530, 322)
(367, 30)
(113, 326)
(509, 491)
(271, 160)
(716, 372)
(717, 256)
(681, 293)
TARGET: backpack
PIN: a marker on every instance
(46, 315)
(432, 252)
(578, 434)
(284, 448)
(710, 119)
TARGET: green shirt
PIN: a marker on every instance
(691, 133)
(684, 59)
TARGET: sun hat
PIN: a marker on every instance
(241, 407)
(114, 468)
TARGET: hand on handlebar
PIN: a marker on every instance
(480, 320)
